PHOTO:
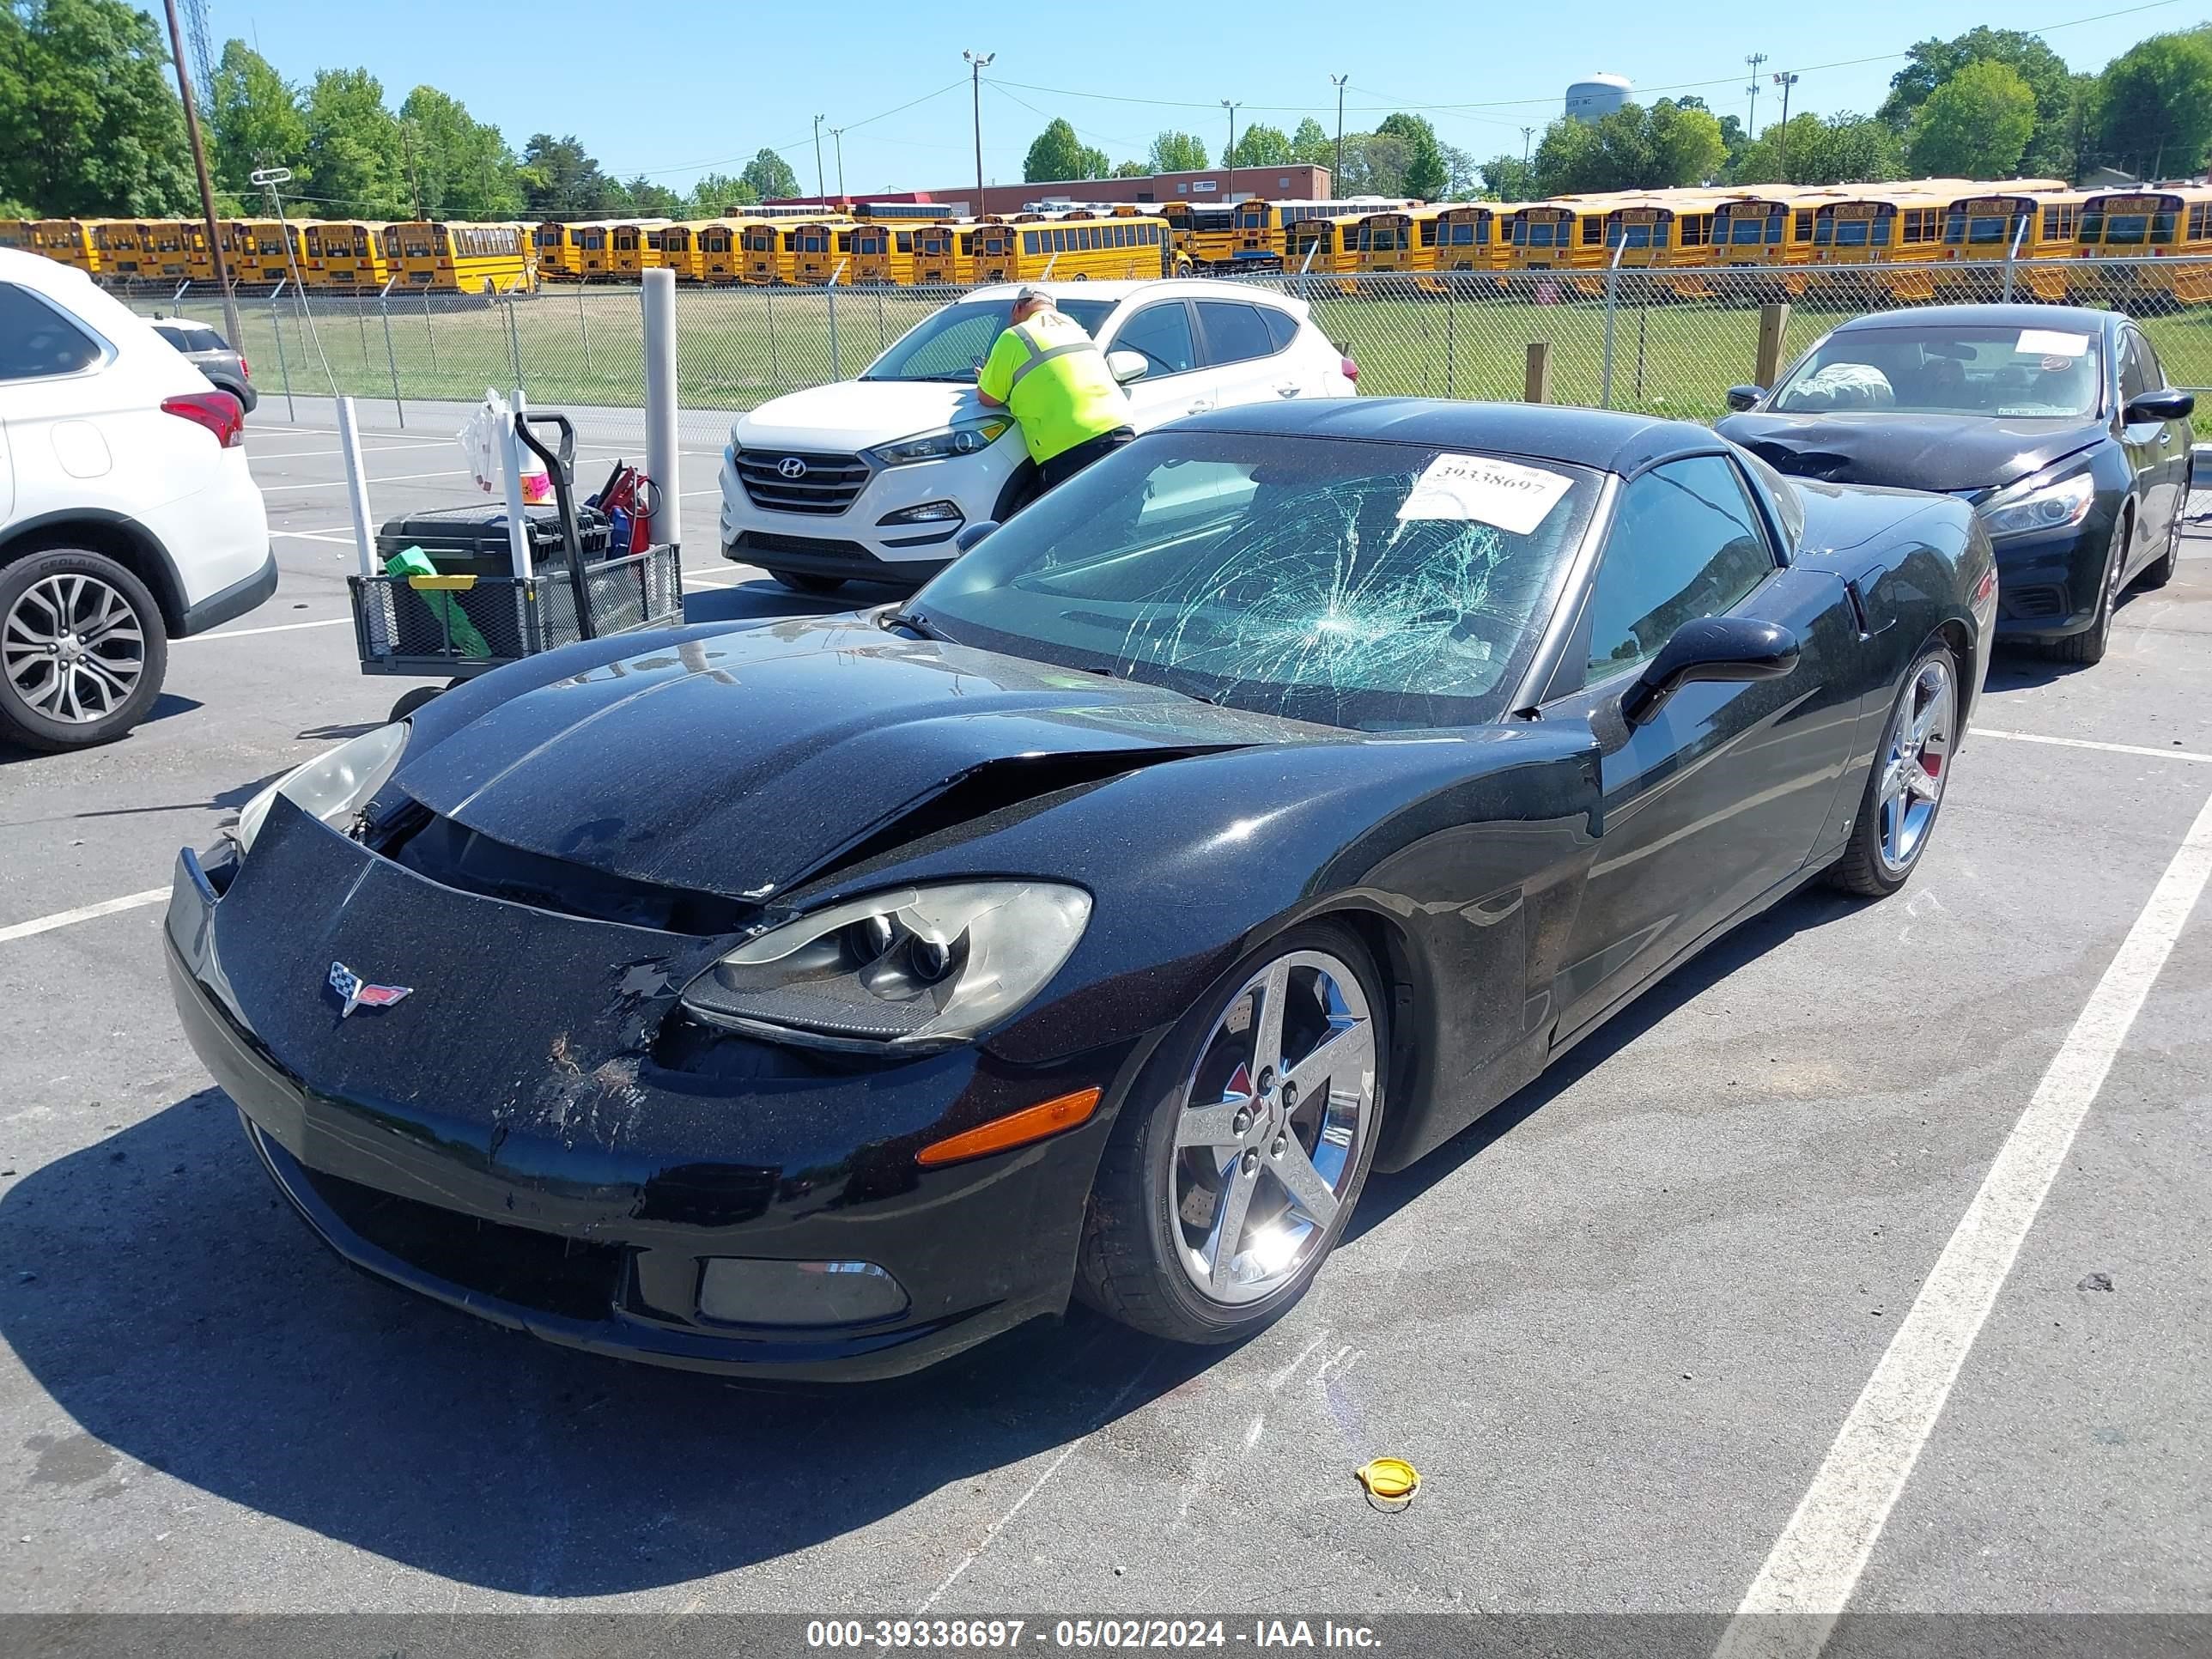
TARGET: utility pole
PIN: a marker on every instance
(1754, 60)
(1229, 155)
(1334, 187)
(207, 191)
(1527, 136)
(837, 136)
(976, 64)
(1785, 80)
(414, 178)
(821, 189)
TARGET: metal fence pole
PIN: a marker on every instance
(584, 328)
(284, 363)
(1612, 305)
(514, 340)
(392, 357)
(835, 374)
(1451, 335)
(775, 370)
(879, 318)
(430, 329)
(2013, 252)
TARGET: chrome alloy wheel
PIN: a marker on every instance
(1269, 1137)
(1916, 763)
(72, 648)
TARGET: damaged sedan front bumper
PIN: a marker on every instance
(524, 1136)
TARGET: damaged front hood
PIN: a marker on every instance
(739, 763)
(1947, 454)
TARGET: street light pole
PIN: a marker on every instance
(1229, 155)
(207, 191)
(1785, 81)
(1332, 185)
(977, 63)
(1527, 136)
(837, 136)
(821, 189)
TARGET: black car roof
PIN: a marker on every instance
(1999, 316)
(1589, 437)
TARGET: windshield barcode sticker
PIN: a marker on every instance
(2050, 343)
(1512, 497)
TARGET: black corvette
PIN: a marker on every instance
(2056, 424)
(817, 998)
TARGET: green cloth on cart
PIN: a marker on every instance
(444, 604)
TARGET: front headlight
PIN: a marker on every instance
(333, 785)
(2038, 503)
(916, 967)
(965, 439)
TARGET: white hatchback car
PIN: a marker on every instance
(877, 478)
(127, 516)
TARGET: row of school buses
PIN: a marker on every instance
(1917, 240)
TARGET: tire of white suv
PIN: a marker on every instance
(83, 650)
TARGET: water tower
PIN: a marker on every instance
(1599, 95)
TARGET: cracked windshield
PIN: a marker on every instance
(1375, 585)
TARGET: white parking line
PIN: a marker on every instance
(253, 454)
(280, 628)
(315, 535)
(2083, 743)
(1808, 1577)
(82, 913)
(401, 477)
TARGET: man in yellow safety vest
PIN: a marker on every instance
(1048, 373)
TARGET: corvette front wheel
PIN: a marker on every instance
(1236, 1163)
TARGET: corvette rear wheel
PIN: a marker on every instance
(1236, 1165)
(1911, 768)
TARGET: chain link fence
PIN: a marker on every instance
(1662, 340)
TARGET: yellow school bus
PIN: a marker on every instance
(118, 242)
(16, 234)
(348, 255)
(1557, 235)
(1985, 228)
(1474, 236)
(1209, 237)
(69, 241)
(266, 250)
(988, 251)
(465, 259)
(1082, 249)
(2170, 228)
(937, 252)
(881, 253)
(816, 258)
(559, 258)
(1885, 227)
(1398, 239)
(763, 258)
(631, 251)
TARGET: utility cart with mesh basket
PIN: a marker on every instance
(479, 596)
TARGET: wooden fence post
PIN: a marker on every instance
(1537, 387)
(1773, 323)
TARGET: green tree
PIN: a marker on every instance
(1632, 147)
(560, 181)
(2050, 147)
(462, 167)
(1092, 162)
(254, 120)
(1462, 174)
(1132, 170)
(1975, 125)
(1057, 153)
(357, 155)
(88, 125)
(651, 201)
(716, 191)
(1510, 178)
(1688, 147)
(1312, 145)
(1259, 146)
(2155, 104)
(1839, 149)
(1177, 152)
(1374, 165)
(771, 176)
(1422, 173)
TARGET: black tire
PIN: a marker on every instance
(1127, 1266)
(1864, 868)
(21, 720)
(803, 584)
(2088, 647)
(416, 699)
(2161, 571)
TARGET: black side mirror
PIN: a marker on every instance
(974, 533)
(1740, 398)
(2164, 404)
(1710, 648)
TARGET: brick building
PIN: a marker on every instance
(1213, 186)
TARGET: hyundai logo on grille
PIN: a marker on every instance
(791, 467)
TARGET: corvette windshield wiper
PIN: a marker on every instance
(913, 623)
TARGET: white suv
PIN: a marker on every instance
(876, 478)
(127, 516)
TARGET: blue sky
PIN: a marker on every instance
(675, 89)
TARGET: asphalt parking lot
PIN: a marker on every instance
(1623, 1326)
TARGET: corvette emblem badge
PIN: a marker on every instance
(354, 993)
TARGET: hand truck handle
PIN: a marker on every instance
(561, 464)
(560, 467)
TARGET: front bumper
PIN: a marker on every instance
(2047, 585)
(855, 543)
(589, 1225)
